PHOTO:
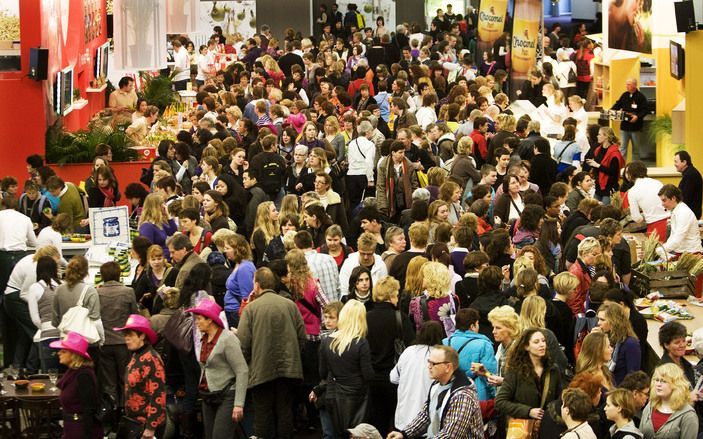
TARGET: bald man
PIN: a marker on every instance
(635, 106)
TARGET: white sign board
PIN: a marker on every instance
(109, 224)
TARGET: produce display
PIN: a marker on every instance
(652, 307)
(76, 237)
(121, 256)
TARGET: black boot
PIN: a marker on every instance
(187, 427)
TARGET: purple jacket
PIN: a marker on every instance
(158, 236)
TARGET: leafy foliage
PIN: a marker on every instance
(79, 147)
(157, 90)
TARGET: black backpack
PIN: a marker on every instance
(272, 176)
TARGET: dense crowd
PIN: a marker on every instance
(356, 235)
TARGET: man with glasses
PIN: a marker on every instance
(452, 408)
(638, 383)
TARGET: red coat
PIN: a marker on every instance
(577, 301)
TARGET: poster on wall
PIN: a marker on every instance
(527, 23)
(371, 10)
(491, 25)
(630, 25)
(232, 16)
(92, 20)
(109, 224)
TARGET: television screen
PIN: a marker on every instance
(67, 90)
(676, 55)
(101, 59)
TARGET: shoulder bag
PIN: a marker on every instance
(179, 331)
(398, 342)
(77, 320)
(218, 396)
(528, 428)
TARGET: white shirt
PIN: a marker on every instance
(182, 65)
(643, 196)
(426, 116)
(684, 236)
(16, 231)
(581, 118)
(410, 373)
(49, 236)
(205, 63)
(22, 277)
(378, 271)
(361, 153)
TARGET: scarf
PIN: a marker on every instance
(390, 187)
(611, 152)
(109, 193)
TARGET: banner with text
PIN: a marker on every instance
(491, 25)
(527, 23)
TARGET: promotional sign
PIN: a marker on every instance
(527, 21)
(491, 25)
(109, 224)
(630, 25)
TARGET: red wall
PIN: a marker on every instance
(26, 108)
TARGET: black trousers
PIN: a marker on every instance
(113, 361)
(273, 408)
(8, 260)
(383, 397)
(356, 185)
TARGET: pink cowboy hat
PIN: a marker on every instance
(73, 342)
(141, 324)
(210, 309)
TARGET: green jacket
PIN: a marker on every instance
(72, 204)
(272, 335)
(517, 395)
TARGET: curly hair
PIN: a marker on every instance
(76, 271)
(672, 374)
(436, 279)
(519, 358)
(299, 273)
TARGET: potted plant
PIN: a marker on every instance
(158, 90)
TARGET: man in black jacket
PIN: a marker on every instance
(635, 106)
(691, 183)
(289, 59)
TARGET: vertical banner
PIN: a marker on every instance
(491, 25)
(527, 22)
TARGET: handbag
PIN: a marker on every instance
(129, 428)
(77, 319)
(527, 428)
(218, 396)
(179, 332)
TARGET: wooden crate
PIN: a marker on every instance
(676, 284)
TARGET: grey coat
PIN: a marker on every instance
(224, 364)
(117, 302)
(66, 298)
(682, 424)
(272, 335)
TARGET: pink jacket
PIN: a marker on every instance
(312, 320)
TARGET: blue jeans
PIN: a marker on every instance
(634, 137)
(605, 200)
(327, 425)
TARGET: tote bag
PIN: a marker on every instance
(77, 320)
(527, 428)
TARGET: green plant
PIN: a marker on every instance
(158, 90)
(63, 147)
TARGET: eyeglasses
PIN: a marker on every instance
(436, 363)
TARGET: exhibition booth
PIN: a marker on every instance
(66, 80)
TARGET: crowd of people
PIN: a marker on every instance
(357, 236)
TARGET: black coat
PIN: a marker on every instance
(382, 332)
(544, 172)
(484, 304)
(691, 186)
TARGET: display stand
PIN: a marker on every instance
(610, 74)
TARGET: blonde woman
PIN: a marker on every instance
(627, 354)
(561, 321)
(506, 329)
(505, 126)
(413, 281)
(155, 224)
(289, 207)
(532, 315)
(335, 137)
(607, 162)
(435, 303)
(594, 356)
(317, 162)
(345, 361)
(668, 415)
(578, 112)
(266, 228)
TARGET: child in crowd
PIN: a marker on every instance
(620, 409)
(8, 187)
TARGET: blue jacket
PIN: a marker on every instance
(477, 348)
(239, 285)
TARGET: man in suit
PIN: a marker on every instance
(691, 183)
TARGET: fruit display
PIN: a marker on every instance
(76, 237)
(662, 310)
(121, 256)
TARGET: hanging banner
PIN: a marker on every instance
(527, 20)
(491, 25)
